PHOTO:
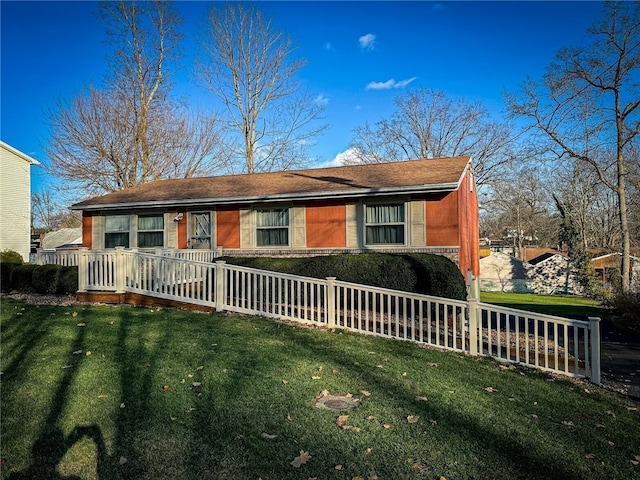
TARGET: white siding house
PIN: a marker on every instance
(15, 200)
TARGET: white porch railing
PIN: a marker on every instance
(568, 347)
(66, 258)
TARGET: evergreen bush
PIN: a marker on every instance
(9, 260)
(67, 280)
(45, 279)
(21, 278)
(419, 273)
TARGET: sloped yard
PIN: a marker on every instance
(119, 392)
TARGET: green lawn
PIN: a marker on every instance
(136, 393)
(560, 305)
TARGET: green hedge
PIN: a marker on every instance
(8, 261)
(44, 279)
(417, 272)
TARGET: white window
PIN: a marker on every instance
(116, 229)
(384, 224)
(272, 227)
(150, 231)
(200, 230)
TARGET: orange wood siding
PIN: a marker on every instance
(441, 220)
(87, 231)
(228, 228)
(326, 226)
(183, 237)
(469, 254)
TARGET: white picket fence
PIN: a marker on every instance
(560, 345)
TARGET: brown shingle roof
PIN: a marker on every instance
(439, 174)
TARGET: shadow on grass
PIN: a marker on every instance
(51, 445)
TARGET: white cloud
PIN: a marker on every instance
(348, 157)
(321, 100)
(389, 84)
(367, 41)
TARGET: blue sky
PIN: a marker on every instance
(361, 55)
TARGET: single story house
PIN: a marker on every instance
(427, 205)
(63, 239)
(15, 200)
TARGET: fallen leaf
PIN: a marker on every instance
(103, 396)
(611, 444)
(590, 456)
(379, 366)
(373, 476)
(568, 423)
(600, 425)
(268, 436)
(122, 405)
(320, 368)
(88, 353)
(349, 395)
(123, 460)
(386, 425)
(285, 381)
(371, 417)
(369, 451)
(413, 418)
(77, 352)
(315, 377)
(199, 368)
(404, 374)
(173, 419)
(490, 389)
(74, 314)
(196, 384)
(365, 393)
(421, 466)
(338, 467)
(341, 420)
(534, 416)
(357, 477)
(190, 375)
(301, 459)
(430, 364)
(165, 388)
(334, 371)
(421, 399)
(81, 324)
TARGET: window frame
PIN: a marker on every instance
(366, 225)
(259, 228)
(140, 231)
(108, 233)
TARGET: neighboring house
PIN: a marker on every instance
(427, 205)
(608, 266)
(500, 272)
(15, 200)
(63, 239)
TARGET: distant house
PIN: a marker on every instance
(63, 239)
(546, 274)
(15, 200)
(608, 265)
(427, 205)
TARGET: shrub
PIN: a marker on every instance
(420, 273)
(22, 278)
(11, 256)
(9, 260)
(626, 307)
(67, 280)
(45, 278)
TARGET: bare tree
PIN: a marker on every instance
(428, 124)
(131, 131)
(587, 107)
(250, 66)
(49, 215)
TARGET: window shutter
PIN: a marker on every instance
(298, 215)
(352, 226)
(247, 228)
(417, 225)
(97, 233)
